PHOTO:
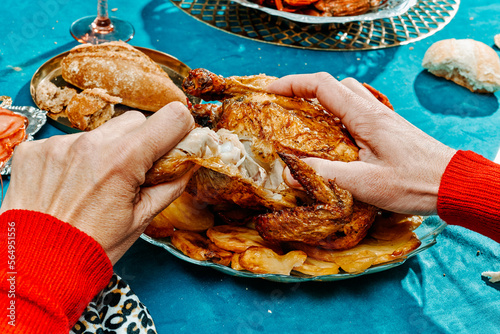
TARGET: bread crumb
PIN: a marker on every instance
(15, 68)
(411, 47)
(114, 9)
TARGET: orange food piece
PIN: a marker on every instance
(12, 133)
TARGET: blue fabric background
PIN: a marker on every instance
(439, 291)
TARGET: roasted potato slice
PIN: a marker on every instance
(237, 238)
(198, 247)
(382, 250)
(185, 213)
(235, 262)
(224, 257)
(392, 226)
(264, 260)
(242, 248)
(390, 239)
(315, 267)
(357, 262)
(160, 227)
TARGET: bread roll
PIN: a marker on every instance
(91, 108)
(467, 62)
(123, 71)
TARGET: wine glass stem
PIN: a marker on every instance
(102, 24)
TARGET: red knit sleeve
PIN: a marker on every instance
(469, 194)
(50, 271)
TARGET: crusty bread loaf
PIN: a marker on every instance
(467, 62)
(123, 71)
(91, 108)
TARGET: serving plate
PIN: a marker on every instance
(389, 8)
(51, 71)
(36, 119)
(427, 233)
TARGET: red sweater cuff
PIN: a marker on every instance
(469, 194)
(54, 270)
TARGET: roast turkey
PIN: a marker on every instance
(243, 143)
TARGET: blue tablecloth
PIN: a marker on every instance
(438, 291)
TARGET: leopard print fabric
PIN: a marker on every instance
(115, 310)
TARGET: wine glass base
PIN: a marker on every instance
(83, 31)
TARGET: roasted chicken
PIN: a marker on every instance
(243, 145)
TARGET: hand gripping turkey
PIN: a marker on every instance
(243, 145)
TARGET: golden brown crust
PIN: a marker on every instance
(122, 71)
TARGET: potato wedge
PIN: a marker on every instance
(237, 238)
(315, 267)
(263, 260)
(198, 247)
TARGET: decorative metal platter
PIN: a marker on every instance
(36, 119)
(423, 19)
(51, 70)
(427, 233)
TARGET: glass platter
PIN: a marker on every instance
(388, 8)
(427, 233)
(51, 70)
(36, 119)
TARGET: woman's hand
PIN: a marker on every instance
(399, 167)
(93, 180)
